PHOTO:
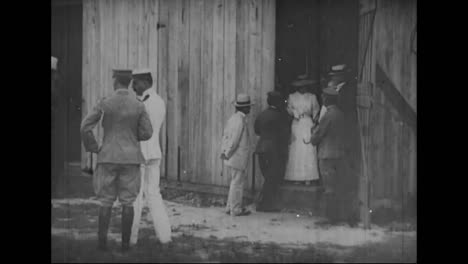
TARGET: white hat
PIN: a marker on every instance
(339, 67)
(243, 100)
(54, 63)
(141, 71)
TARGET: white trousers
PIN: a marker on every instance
(236, 189)
(150, 189)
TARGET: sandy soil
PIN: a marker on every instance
(286, 229)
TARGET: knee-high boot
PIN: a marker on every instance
(127, 221)
(104, 219)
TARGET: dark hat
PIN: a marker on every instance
(274, 98)
(124, 76)
(122, 73)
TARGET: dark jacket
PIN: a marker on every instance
(329, 134)
(125, 122)
(272, 127)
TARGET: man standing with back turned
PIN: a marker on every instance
(125, 122)
(272, 127)
(235, 153)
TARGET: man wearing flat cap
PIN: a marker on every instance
(155, 106)
(272, 125)
(125, 123)
(235, 151)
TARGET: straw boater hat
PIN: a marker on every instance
(243, 100)
(53, 63)
(337, 70)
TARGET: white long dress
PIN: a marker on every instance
(302, 160)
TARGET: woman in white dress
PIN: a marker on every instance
(302, 161)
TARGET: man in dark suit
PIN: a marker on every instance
(329, 136)
(272, 127)
(125, 122)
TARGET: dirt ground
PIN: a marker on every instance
(203, 232)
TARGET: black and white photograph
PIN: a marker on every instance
(221, 131)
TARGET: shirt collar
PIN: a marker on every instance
(241, 113)
(146, 92)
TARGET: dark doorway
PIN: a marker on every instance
(313, 35)
(66, 45)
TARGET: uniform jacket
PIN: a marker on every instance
(329, 134)
(125, 122)
(272, 125)
(156, 109)
(236, 142)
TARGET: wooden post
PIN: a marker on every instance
(364, 103)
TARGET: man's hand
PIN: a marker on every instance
(223, 156)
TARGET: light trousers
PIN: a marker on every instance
(236, 189)
(150, 174)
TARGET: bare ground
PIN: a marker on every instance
(203, 233)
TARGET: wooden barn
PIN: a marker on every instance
(204, 52)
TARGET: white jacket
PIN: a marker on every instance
(156, 109)
(236, 142)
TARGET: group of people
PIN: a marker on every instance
(310, 147)
(128, 160)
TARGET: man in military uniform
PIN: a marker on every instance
(154, 104)
(236, 153)
(272, 127)
(125, 122)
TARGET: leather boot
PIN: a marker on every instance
(127, 220)
(104, 219)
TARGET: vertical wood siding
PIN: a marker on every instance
(202, 55)
(391, 142)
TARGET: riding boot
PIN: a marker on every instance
(127, 220)
(104, 219)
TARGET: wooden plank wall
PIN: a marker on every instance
(202, 55)
(391, 142)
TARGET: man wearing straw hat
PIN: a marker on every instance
(155, 106)
(125, 122)
(235, 152)
(328, 135)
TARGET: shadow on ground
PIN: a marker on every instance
(184, 249)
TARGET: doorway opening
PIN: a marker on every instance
(66, 46)
(312, 36)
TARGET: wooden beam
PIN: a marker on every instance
(395, 98)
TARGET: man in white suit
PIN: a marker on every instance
(154, 104)
(235, 153)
